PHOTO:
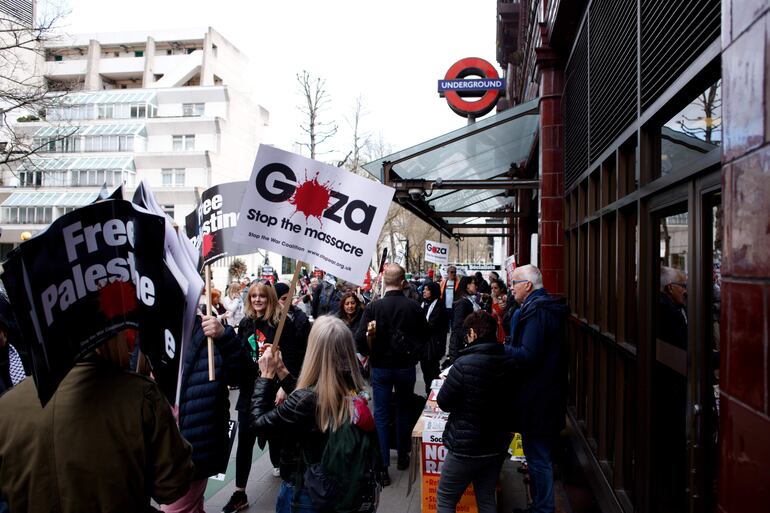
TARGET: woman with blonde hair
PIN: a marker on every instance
(256, 331)
(324, 399)
(234, 304)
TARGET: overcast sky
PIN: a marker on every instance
(390, 52)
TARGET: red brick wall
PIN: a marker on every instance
(745, 351)
(551, 173)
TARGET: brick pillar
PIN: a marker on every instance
(744, 463)
(551, 168)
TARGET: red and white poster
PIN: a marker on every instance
(432, 457)
(509, 266)
(314, 212)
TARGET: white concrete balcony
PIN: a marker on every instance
(66, 68)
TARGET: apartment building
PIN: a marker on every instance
(172, 107)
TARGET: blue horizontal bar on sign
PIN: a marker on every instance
(471, 84)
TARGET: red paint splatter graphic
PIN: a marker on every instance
(208, 243)
(117, 298)
(311, 198)
(131, 335)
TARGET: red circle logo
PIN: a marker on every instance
(471, 66)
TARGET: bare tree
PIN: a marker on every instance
(23, 88)
(316, 99)
(360, 139)
(702, 127)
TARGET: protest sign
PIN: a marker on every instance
(509, 266)
(91, 274)
(183, 284)
(314, 212)
(433, 454)
(436, 252)
(211, 225)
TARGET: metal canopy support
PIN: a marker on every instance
(466, 213)
(494, 154)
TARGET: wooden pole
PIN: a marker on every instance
(286, 305)
(212, 375)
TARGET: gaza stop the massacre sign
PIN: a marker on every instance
(314, 212)
(436, 252)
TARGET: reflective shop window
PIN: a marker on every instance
(693, 131)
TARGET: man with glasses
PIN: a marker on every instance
(672, 307)
(536, 343)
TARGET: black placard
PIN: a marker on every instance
(93, 273)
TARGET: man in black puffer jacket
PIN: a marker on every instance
(204, 406)
(478, 432)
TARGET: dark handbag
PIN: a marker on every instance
(321, 487)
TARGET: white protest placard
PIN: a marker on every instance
(436, 252)
(314, 212)
(509, 267)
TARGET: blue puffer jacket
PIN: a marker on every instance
(537, 344)
(204, 406)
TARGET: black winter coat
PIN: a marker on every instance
(293, 422)
(395, 314)
(462, 308)
(204, 406)
(438, 326)
(477, 394)
(537, 344)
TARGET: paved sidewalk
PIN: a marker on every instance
(262, 487)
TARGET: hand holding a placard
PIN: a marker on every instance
(211, 326)
(271, 364)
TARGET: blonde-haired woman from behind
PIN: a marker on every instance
(323, 399)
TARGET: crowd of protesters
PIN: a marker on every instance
(297, 398)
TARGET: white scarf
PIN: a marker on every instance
(430, 309)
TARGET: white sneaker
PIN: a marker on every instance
(276, 472)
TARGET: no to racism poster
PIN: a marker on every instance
(314, 212)
(436, 252)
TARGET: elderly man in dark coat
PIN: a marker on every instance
(537, 344)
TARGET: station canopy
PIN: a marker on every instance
(464, 179)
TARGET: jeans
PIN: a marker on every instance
(537, 450)
(458, 472)
(383, 383)
(283, 504)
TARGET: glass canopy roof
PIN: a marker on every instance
(49, 199)
(111, 129)
(125, 162)
(485, 150)
(117, 96)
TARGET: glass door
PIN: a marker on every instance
(671, 328)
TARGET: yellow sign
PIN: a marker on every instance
(516, 448)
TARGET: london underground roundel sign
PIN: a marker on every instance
(455, 87)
